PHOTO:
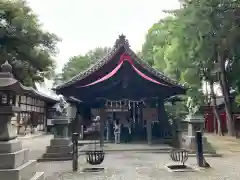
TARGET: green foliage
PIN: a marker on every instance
(237, 99)
(24, 44)
(74, 66)
(177, 110)
(77, 64)
(186, 45)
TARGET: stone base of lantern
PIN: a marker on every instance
(14, 163)
(60, 149)
(195, 123)
(189, 143)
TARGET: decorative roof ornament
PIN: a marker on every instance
(6, 67)
(121, 41)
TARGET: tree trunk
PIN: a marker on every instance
(215, 111)
(225, 90)
(207, 98)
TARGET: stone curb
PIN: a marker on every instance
(190, 154)
(163, 151)
(33, 136)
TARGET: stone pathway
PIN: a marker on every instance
(131, 165)
(111, 147)
(37, 145)
(31, 136)
(224, 144)
(140, 166)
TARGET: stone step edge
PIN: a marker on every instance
(47, 159)
(189, 154)
(38, 176)
(109, 150)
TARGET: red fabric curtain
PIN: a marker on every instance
(109, 75)
(123, 58)
(147, 77)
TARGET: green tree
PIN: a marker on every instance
(77, 64)
(188, 45)
(27, 47)
(212, 29)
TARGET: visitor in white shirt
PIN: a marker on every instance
(117, 132)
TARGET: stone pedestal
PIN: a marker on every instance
(195, 123)
(14, 162)
(60, 148)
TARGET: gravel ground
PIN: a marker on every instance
(131, 166)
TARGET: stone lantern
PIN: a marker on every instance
(195, 123)
(14, 164)
(60, 146)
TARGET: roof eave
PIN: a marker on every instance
(86, 73)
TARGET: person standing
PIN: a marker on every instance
(129, 131)
(117, 132)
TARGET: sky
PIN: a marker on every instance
(83, 25)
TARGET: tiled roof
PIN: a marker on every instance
(8, 82)
(120, 43)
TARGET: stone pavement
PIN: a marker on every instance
(140, 166)
(136, 147)
(224, 144)
(32, 136)
(131, 165)
(37, 145)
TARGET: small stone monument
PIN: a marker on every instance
(195, 121)
(60, 146)
(14, 162)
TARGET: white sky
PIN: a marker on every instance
(85, 24)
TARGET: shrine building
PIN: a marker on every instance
(123, 87)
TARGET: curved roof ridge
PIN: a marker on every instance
(98, 64)
(121, 42)
(157, 73)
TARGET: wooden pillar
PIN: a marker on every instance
(165, 126)
(81, 130)
(147, 117)
(102, 123)
(149, 131)
(108, 130)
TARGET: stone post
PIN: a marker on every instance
(14, 163)
(195, 123)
